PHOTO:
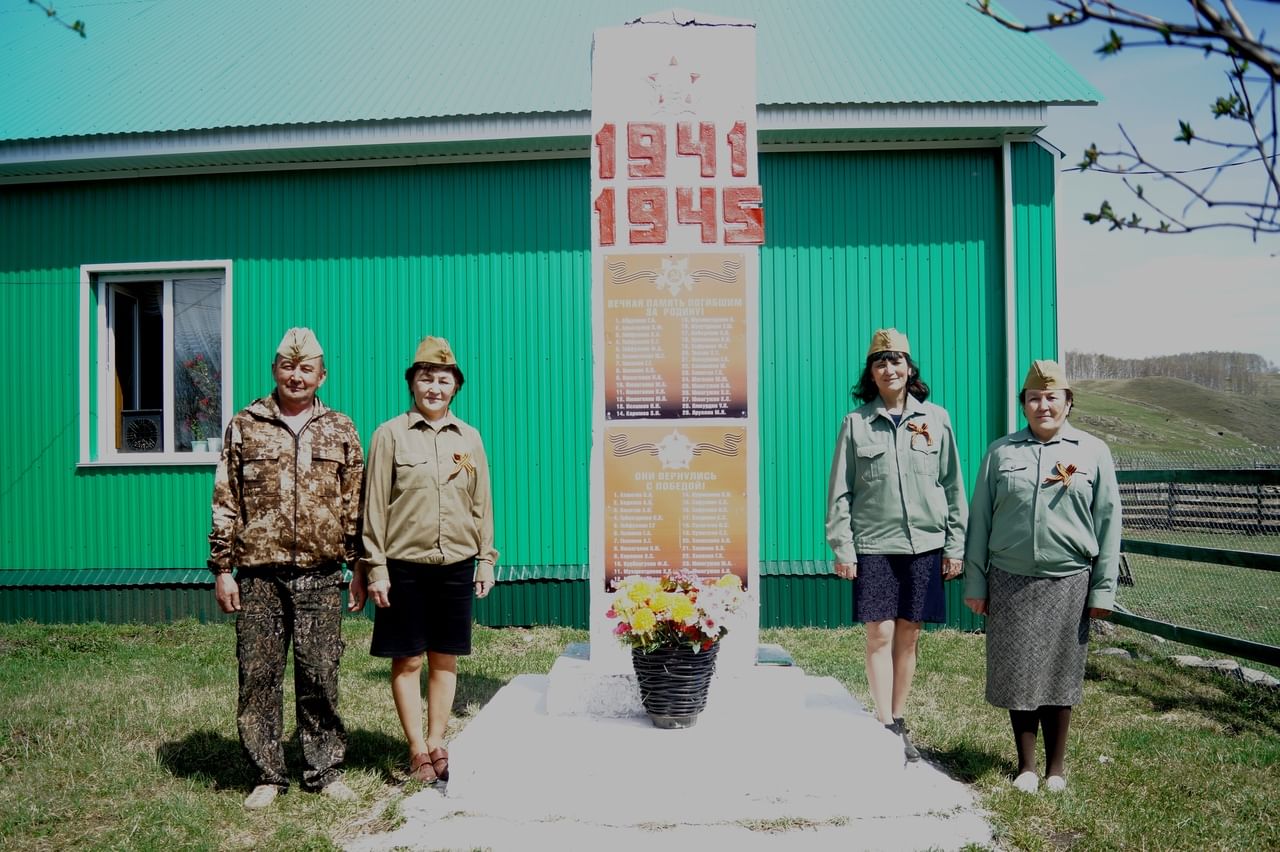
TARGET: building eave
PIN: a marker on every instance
(496, 137)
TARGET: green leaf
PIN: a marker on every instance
(1113, 45)
(1185, 133)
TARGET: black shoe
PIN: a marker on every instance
(909, 749)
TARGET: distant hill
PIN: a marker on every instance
(1162, 415)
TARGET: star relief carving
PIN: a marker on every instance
(673, 89)
(675, 451)
(674, 276)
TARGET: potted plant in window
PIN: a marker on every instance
(673, 625)
(206, 406)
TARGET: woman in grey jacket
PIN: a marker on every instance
(896, 515)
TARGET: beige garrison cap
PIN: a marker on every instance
(1046, 375)
(888, 340)
(434, 350)
(299, 344)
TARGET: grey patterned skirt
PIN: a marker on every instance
(1037, 639)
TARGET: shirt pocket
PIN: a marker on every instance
(260, 461)
(1014, 478)
(925, 457)
(326, 469)
(1081, 487)
(414, 469)
(873, 462)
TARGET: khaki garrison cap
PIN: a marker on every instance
(1046, 375)
(888, 340)
(434, 350)
(299, 344)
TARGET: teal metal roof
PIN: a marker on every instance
(179, 65)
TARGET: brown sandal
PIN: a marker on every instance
(421, 768)
(437, 757)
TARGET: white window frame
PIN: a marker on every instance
(97, 371)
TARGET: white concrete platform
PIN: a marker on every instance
(810, 758)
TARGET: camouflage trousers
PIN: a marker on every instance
(280, 605)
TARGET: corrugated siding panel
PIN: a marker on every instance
(311, 61)
(493, 257)
(1035, 252)
(858, 241)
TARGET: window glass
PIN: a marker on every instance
(197, 360)
(162, 380)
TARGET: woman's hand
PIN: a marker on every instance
(951, 568)
(1098, 612)
(484, 579)
(847, 570)
(978, 605)
(380, 591)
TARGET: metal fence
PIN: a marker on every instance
(1201, 552)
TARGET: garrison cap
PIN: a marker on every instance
(299, 344)
(1046, 375)
(435, 350)
(888, 340)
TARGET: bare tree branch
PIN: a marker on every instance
(1215, 28)
(76, 26)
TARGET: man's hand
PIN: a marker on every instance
(357, 592)
(227, 592)
(380, 591)
(978, 605)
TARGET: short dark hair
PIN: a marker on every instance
(866, 389)
(412, 373)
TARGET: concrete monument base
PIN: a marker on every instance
(775, 749)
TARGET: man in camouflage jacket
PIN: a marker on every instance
(285, 517)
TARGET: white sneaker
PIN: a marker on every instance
(261, 797)
(338, 791)
(1027, 782)
(1055, 783)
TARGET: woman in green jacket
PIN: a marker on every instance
(1042, 557)
(895, 518)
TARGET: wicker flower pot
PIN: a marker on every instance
(673, 683)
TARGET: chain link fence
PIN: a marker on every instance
(1190, 509)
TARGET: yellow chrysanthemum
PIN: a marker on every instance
(642, 621)
(622, 604)
(661, 601)
(729, 581)
(640, 591)
(681, 608)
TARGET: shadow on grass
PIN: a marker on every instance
(212, 758)
(968, 764)
(472, 688)
(1235, 705)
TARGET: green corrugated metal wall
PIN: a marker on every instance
(494, 257)
(1035, 252)
(490, 256)
(858, 241)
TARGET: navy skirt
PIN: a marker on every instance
(891, 586)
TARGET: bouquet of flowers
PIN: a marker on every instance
(673, 611)
(206, 408)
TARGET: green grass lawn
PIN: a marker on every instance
(123, 737)
(1240, 602)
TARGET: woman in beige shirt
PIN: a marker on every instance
(428, 547)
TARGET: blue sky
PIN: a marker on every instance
(1135, 295)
